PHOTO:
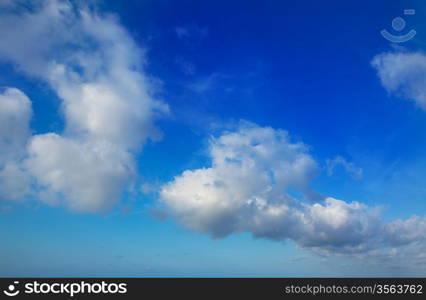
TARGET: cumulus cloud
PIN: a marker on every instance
(404, 74)
(15, 116)
(15, 182)
(90, 176)
(248, 188)
(250, 170)
(259, 180)
(332, 164)
(96, 68)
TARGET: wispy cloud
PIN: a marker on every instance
(204, 84)
(349, 167)
(191, 31)
(186, 66)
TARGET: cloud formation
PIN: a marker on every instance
(96, 68)
(249, 187)
(15, 116)
(403, 74)
(250, 168)
(259, 180)
(349, 167)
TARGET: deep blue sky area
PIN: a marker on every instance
(301, 66)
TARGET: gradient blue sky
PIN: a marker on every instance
(302, 66)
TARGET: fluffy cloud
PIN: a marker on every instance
(15, 183)
(248, 188)
(259, 180)
(95, 67)
(15, 115)
(250, 170)
(403, 73)
(90, 177)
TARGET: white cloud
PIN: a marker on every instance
(15, 183)
(15, 115)
(403, 73)
(88, 177)
(401, 232)
(251, 169)
(95, 67)
(246, 190)
(332, 164)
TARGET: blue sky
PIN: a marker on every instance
(225, 138)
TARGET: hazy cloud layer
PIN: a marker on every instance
(95, 67)
(248, 188)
